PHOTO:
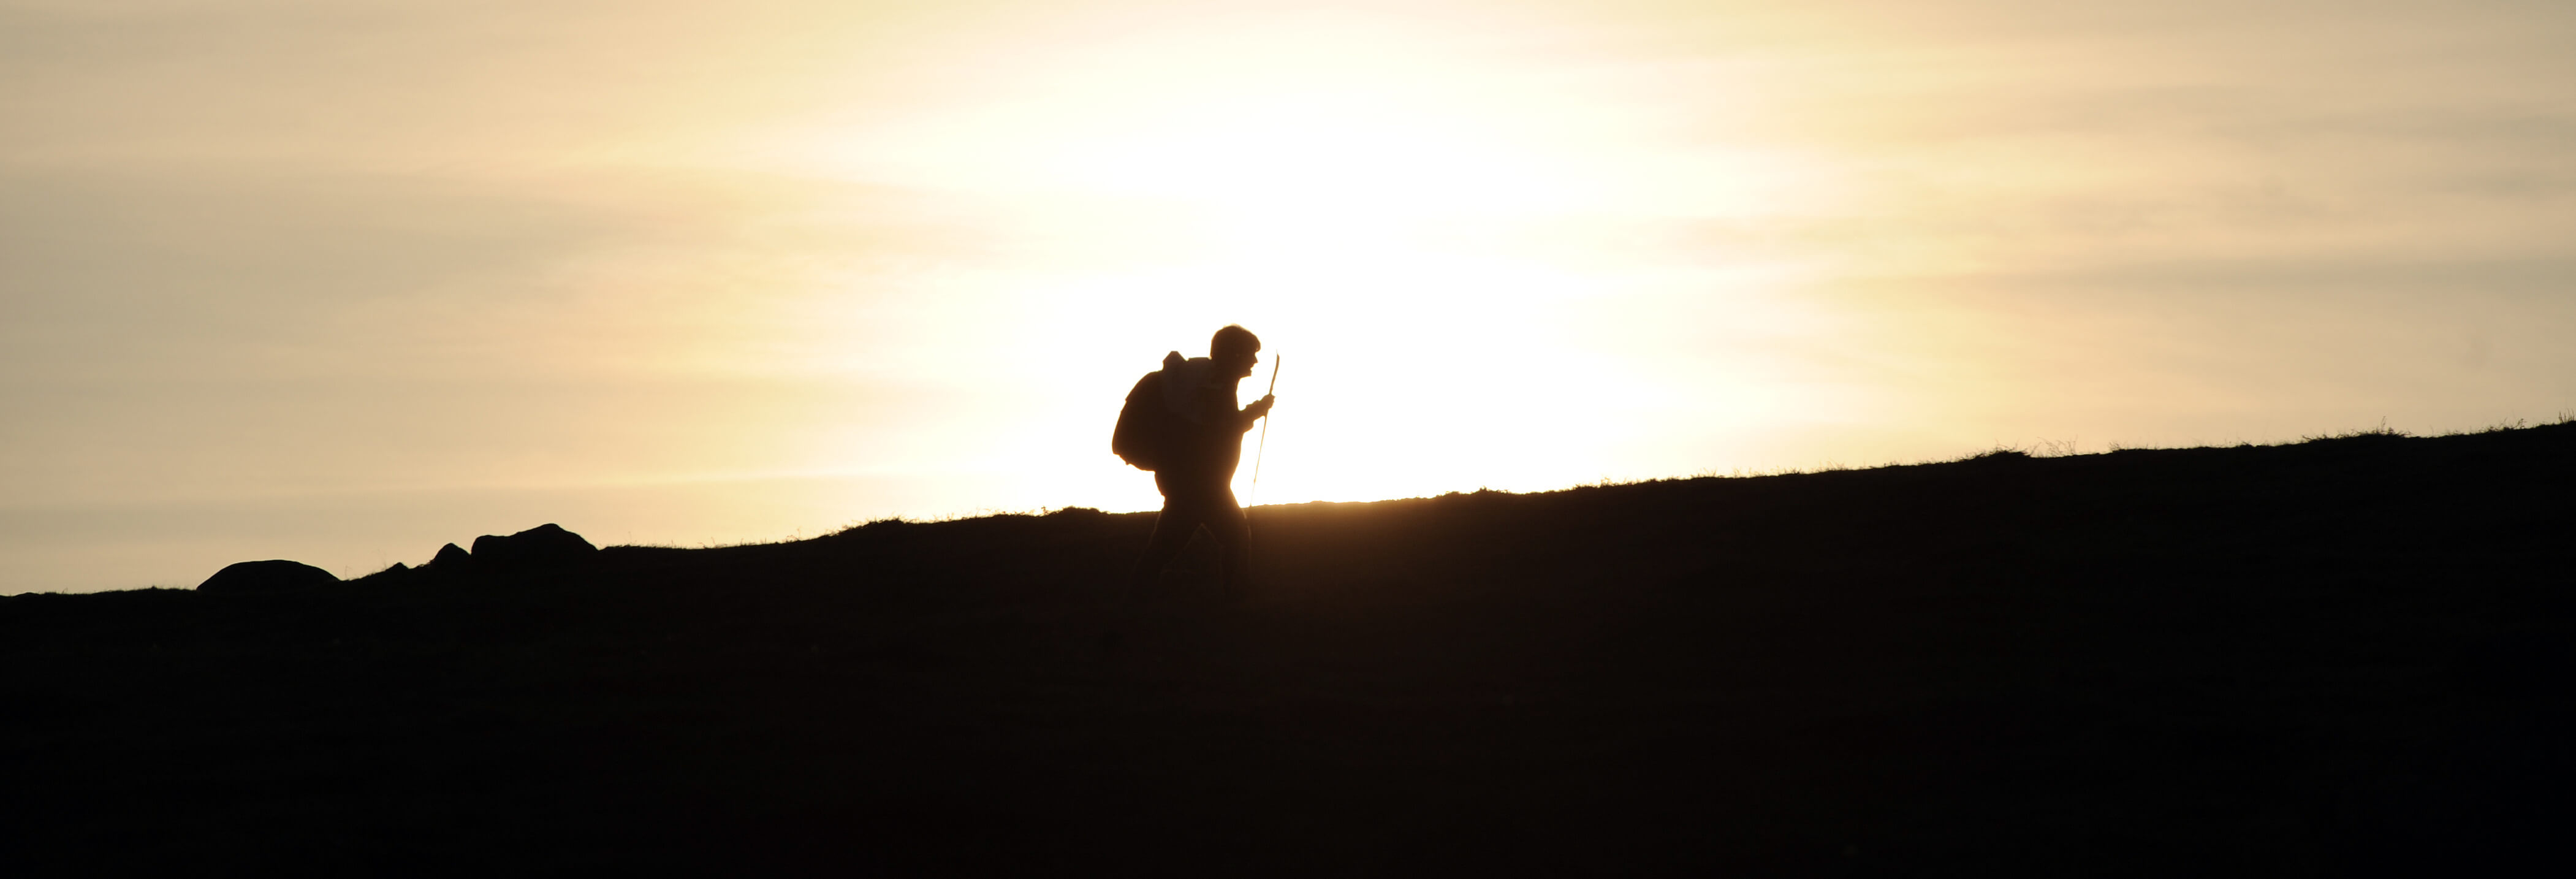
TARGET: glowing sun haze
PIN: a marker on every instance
(341, 282)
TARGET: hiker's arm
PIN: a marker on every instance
(1258, 408)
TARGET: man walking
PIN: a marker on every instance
(1195, 462)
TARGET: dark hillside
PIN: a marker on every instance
(2349, 656)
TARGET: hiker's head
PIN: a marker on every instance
(1234, 349)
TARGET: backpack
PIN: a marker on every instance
(1148, 429)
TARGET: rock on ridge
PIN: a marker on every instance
(547, 544)
(273, 575)
(450, 559)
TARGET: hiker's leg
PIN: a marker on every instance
(1233, 533)
(1172, 530)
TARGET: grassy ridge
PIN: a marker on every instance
(2344, 656)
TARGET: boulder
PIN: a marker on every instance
(547, 544)
(273, 575)
(450, 559)
(393, 573)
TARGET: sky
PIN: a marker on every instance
(344, 281)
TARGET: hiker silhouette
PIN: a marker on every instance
(1181, 422)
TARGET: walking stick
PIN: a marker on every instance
(1275, 360)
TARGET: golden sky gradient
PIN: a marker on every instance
(342, 281)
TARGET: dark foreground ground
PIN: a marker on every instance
(2351, 656)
